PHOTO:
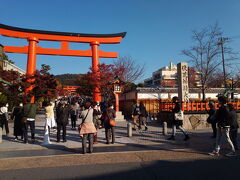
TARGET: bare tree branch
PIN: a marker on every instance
(131, 70)
(204, 55)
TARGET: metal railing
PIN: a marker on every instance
(155, 107)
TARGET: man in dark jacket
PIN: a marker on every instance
(223, 123)
(62, 114)
(29, 112)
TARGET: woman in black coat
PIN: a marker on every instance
(17, 118)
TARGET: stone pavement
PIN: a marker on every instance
(152, 139)
(144, 146)
(146, 155)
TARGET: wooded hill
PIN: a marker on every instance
(68, 79)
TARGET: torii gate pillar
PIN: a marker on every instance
(95, 68)
(32, 60)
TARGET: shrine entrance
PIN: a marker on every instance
(34, 36)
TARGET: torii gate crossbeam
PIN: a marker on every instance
(34, 36)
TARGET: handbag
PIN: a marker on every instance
(112, 122)
(178, 115)
(178, 118)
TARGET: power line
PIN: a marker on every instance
(234, 37)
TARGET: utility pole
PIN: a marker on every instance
(222, 41)
(232, 93)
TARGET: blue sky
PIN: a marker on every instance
(157, 30)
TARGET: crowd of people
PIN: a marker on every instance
(224, 124)
(95, 115)
(91, 114)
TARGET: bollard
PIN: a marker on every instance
(0, 134)
(165, 128)
(129, 129)
(46, 136)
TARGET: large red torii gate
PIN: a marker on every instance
(34, 36)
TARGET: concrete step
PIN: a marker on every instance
(119, 116)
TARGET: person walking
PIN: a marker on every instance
(87, 128)
(135, 115)
(62, 114)
(29, 116)
(103, 107)
(177, 117)
(233, 126)
(4, 117)
(96, 119)
(143, 116)
(17, 115)
(110, 113)
(211, 119)
(223, 127)
(74, 113)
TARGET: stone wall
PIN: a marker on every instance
(191, 121)
(195, 121)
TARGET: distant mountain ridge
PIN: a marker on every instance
(68, 79)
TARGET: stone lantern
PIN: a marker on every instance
(117, 89)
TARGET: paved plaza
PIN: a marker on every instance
(153, 139)
(147, 150)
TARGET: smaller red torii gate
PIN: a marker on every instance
(34, 36)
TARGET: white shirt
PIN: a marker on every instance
(3, 110)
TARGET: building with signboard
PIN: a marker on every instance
(167, 77)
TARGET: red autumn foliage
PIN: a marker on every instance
(107, 75)
(44, 86)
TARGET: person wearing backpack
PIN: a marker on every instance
(223, 127)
